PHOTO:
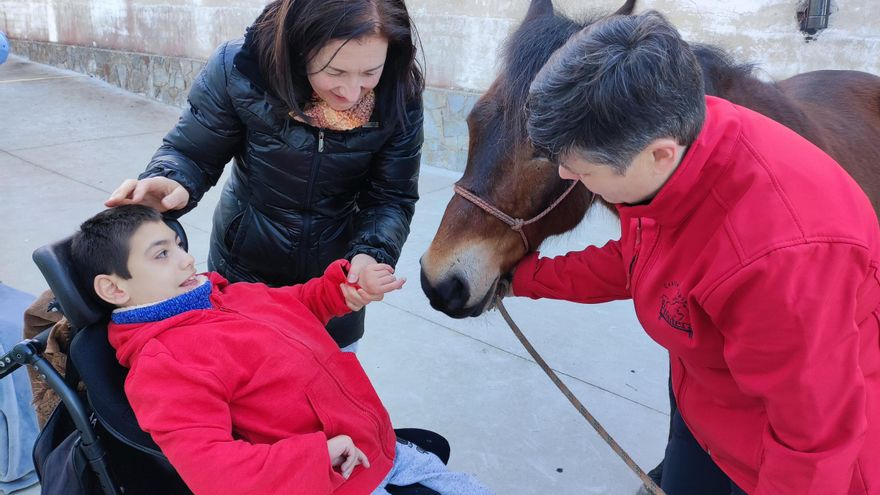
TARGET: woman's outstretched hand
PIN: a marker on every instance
(160, 193)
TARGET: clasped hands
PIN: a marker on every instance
(368, 281)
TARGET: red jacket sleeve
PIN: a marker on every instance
(186, 411)
(321, 295)
(791, 340)
(593, 275)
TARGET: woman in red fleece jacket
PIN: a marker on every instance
(749, 254)
(240, 385)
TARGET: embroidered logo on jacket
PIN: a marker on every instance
(674, 308)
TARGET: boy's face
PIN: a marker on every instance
(159, 267)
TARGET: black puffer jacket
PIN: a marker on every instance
(298, 197)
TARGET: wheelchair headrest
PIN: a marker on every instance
(80, 305)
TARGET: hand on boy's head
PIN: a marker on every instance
(345, 456)
(160, 193)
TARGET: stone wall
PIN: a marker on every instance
(461, 38)
(168, 79)
(155, 47)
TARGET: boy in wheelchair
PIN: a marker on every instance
(239, 384)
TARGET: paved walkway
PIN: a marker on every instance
(68, 140)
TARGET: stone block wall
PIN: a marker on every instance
(446, 132)
(168, 79)
(155, 47)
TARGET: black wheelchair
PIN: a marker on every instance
(92, 443)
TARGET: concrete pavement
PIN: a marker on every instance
(67, 141)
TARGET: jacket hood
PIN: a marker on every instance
(247, 61)
(130, 338)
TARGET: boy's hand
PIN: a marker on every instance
(344, 456)
(373, 282)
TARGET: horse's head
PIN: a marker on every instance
(475, 247)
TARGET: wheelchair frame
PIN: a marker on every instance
(30, 353)
(81, 313)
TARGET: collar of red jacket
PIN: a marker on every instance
(703, 163)
(129, 338)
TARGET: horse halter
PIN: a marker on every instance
(516, 224)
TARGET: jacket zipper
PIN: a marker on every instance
(373, 124)
(377, 423)
(307, 216)
(632, 262)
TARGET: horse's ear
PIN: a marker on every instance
(627, 8)
(539, 8)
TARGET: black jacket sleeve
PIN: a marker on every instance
(388, 202)
(206, 137)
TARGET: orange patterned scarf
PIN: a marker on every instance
(323, 116)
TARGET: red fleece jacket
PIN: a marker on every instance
(756, 267)
(243, 397)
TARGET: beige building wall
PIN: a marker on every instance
(156, 47)
(461, 38)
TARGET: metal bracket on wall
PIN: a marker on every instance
(813, 16)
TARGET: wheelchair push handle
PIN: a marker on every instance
(24, 353)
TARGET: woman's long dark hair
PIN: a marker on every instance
(289, 32)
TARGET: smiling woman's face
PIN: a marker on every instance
(343, 71)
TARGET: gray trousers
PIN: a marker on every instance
(413, 465)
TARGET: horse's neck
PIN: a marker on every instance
(766, 98)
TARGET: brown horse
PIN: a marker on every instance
(472, 252)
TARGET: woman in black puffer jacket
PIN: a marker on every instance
(319, 107)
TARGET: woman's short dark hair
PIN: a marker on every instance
(289, 32)
(102, 244)
(613, 88)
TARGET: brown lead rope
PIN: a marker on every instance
(649, 483)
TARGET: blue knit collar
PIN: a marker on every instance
(198, 298)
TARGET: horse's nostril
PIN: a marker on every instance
(450, 295)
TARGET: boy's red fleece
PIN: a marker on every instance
(242, 398)
(756, 267)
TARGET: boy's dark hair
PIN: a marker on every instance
(290, 31)
(102, 244)
(613, 88)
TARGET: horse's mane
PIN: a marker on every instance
(528, 48)
(737, 82)
(523, 55)
(720, 71)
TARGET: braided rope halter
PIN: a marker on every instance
(516, 224)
